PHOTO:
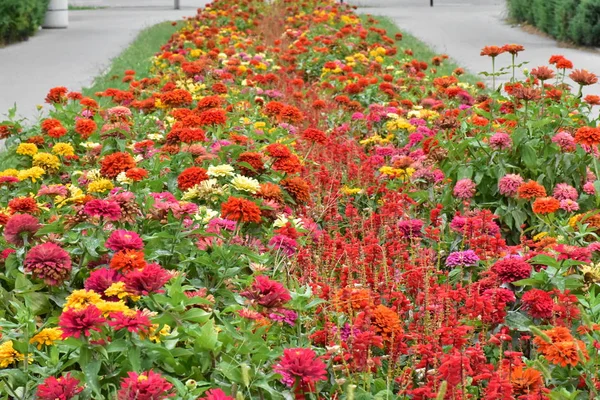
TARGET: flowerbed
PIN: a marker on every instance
(291, 206)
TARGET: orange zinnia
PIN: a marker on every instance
(531, 190)
(297, 188)
(513, 48)
(492, 51)
(115, 163)
(587, 135)
(386, 323)
(562, 349)
(525, 381)
(128, 260)
(545, 205)
(237, 209)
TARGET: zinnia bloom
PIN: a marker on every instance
(147, 281)
(466, 258)
(511, 269)
(583, 77)
(237, 209)
(138, 322)
(266, 292)
(19, 226)
(500, 140)
(587, 135)
(565, 141)
(545, 205)
(301, 368)
(191, 177)
(538, 303)
(298, 188)
(8, 355)
(492, 51)
(128, 260)
(75, 322)
(145, 386)
(509, 184)
(315, 135)
(564, 191)
(115, 163)
(464, 189)
(64, 388)
(216, 394)
(103, 208)
(531, 190)
(49, 262)
(122, 239)
(100, 280)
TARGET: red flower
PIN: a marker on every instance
(48, 262)
(298, 188)
(301, 368)
(492, 51)
(255, 161)
(315, 135)
(122, 239)
(267, 293)
(20, 226)
(139, 322)
(216, 394)
(583, 77)
(237, 209)
(145, 386)
(115, 163)
(74, 322)
(103, 208)
(57, 95)
(277, 150)
(136, 174)
(214, 116)
(454, 367)
(85, 127)
(191, 177)
(63, 388)
(512, 269)
(100, 280)
(545, 205)
(147, 281)
(24, 205)
(538, 303)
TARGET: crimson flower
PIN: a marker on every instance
(76, 322)
(49, 262)
(301, 368)
(63, 388)
(216, 394)
(267, 293)
(145, 386)
(148, 280)
(139, 322)
(19, 226)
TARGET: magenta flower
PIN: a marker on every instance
(301, 368)
(122, 239)
(464, 189)
(103, 208)
(49, 262)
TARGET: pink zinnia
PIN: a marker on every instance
(103, 208)
(148, 280)
(284, 243)
(464, 189)
(122, 239)
(266, 292)
(569, 205)
(509, 184)
(145, 386)
(20, 226)
(564, 191)
(138, 322)
(49, 262)
(53, 190)
(63, 388)
(301, 368)
(589, 188)
(565, 141)
(500, 140)
(100, 280)
(74, 322)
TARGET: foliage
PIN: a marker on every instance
(20, 19)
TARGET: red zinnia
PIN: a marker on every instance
(301, 368)
(122, 239)
(237, 209)
(19, 226)
(191, 177)
(57, 95)
(136, 174)
(25, 205)
(315, 135)
(74, 322)
(138, 322)
(85, 127)
(103, 208)
(214, 116)
(266, 292)
(115, 163)
(145, 386)
(49, 262)
(147, 281)
(64, 388)
(254, 160)
(492, 51)
(538, 303)
(512, 269)
(298, 188)
(216, 394)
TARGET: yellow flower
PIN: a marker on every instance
(118, 289)
(8, 355)
(245, 184)
(33, 173)
(259, 125)
(349, 190)
(220, 170)
(10, 172)
(397, 123)
(100, 186)
(108, 307)
(47, 161)
(574, 220)
(63, 149)
(27, 149)
(46, 337)
(540, 236)
(81, 299)
(155, 334)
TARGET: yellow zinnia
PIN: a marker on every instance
(27, 149)
(33, 173)
(100, 186)
(81, 299)
(47, 161)
(63, 149)
(46, 337)
(8, 355)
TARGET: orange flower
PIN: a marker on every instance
(85, 127)
(270, 191)
(290, 165)
(57, 95)
(237, 209)
(562, 349)
(191, 177)
(115, 163)
(543, 73)
(352, 299)
(513, 48)
(531, 190)
(386, 323)
(136, 174)
(128, 260)
(525, 381)
(492, 51)
(255, 161)
(545, 205)
(592, 99)
(587, 135)
(583, 77)
(297, 188)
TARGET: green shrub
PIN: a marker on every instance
(543, 14)
(565, 11)
(20, 19)
(521, 10)
(585, 25)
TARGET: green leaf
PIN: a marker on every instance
(196, 315)
(208, 336)
(518, 321)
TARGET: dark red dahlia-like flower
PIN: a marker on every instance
(512, 269)
(75, 322)
(145, 386)
(301, 368)
(122, 239)
(20, 226)
(267, 292)
(64, 388)
(147, 281)
(49, 262)
(538, 303)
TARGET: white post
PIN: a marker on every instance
(57, 15)
(177, 7)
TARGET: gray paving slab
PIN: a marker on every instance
(461, 28)
(72, 57)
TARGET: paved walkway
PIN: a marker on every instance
(461, 28)
(72, 57)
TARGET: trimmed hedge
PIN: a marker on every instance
(20, 19)
(577, 21)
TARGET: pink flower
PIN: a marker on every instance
(20, 226)
(139, 322)
(500, 140)
(284, 244)
(464, 189)
(103, 208)
(77, 322)
(569, 205)
(148, 280)
(509, 184)
(565, 141)
(101, 279)
(564, 191)
(588, 188)
(63, 388)
(48, 262)
(122, 239)
(301, 368)
(216, 394)
(53, 190)
(145, 386)
(267, 293)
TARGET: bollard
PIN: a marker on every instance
(430, 3)
(177, 6)
(57, 15)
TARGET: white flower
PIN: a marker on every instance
(155, 136)
(90, 145)
(246, 184)
(122, 178)
(282, 221)
(220, 170)
(205, 214)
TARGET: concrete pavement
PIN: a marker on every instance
(461, 28)
(72, 57)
